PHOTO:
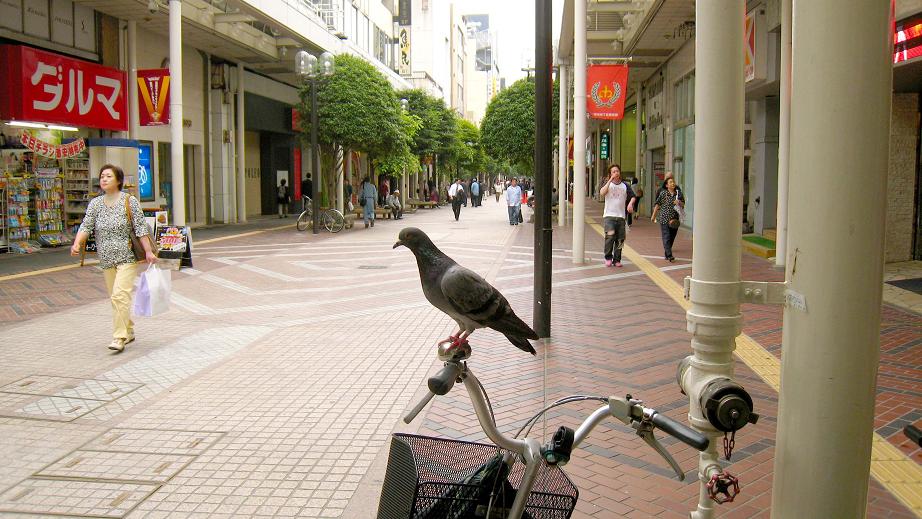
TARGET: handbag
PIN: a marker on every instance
(674, 223)
(136, 248)
(362, 201)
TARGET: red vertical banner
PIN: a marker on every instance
(297, 176)
(606, 90)
(154, 97)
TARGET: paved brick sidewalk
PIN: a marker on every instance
(271, 387)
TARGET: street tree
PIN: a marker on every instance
(508, 127)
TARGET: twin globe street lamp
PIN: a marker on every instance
(309, 67)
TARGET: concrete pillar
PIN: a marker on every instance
(241, 148)
(222, 158)
(579, 132)
(133, 79)
(563, 105)
(763, 165)
(177, 166)
(714, 318)
(839, 151)
(784, 135)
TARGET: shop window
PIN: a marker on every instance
(685, 100)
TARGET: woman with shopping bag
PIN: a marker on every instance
(116, 219)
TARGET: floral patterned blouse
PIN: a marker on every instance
(666, 202)
(110, 224)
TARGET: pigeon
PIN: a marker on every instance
(463, 294)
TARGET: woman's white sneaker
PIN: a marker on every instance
(117, 345)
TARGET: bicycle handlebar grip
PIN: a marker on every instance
(681, 432)
(442, 382)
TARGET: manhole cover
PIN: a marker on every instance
(74, 498)
(68, 387)
(154, 441)
(38, 407)
(133, 467)
(373, 267)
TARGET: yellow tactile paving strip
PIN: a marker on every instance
(900, 475)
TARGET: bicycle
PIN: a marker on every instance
(331, 219)
(433, 478)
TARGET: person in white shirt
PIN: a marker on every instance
(456, 196)
(393, 202)
(514, 201)
(619, 202)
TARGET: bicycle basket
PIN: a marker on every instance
(437, 478)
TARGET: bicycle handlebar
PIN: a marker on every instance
(442, 382)
(680, 431)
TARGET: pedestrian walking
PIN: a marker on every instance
(456, 196)
(107, 216)
(514, 201)
(283, 198)
(368, 195)
(668, 204)
(475, 193)
(638, 192)
(619, 202)
(497, 189)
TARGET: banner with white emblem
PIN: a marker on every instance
(606, 90)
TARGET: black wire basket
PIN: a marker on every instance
(436, 478)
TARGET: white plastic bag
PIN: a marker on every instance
(679, 211)
(153, 292)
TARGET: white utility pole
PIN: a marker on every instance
(840, 128)
(784, 135)
(579, 132)
(178, 176)
(564, 80)
(241, 147)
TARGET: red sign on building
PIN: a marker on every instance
(154, 97)
(606, 90)
(45, 87)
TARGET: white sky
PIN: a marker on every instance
(513, 23)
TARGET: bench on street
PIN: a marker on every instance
(421, 203)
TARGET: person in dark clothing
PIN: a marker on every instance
(307, 189)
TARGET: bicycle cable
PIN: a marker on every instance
(566, 400)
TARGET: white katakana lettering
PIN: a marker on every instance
(76, 92)
(109, 102)
(56, 91)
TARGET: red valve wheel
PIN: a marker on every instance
(723, 488)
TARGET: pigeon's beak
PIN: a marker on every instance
(398, 244)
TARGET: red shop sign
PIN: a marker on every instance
(49, 88)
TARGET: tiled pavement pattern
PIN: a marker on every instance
(295, 357)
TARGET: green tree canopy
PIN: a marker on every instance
(508, 127)
(437, 133)
(357, 109)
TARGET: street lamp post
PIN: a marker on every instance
(405, 106)
(309, 67)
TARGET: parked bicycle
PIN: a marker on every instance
(331, 219)
(434, 478)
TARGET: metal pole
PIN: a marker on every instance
(784, 135)
(714, 318)
(315, 164)
(178, 177)
(241, 147)
(563, 79)
(579, 132)
(544, 101)
(133, 79)
(831, 331)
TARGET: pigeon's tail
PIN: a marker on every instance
(522, 344)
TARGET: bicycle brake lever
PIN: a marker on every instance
(645, 431)
(630, 412)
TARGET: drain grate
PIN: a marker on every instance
(74, 498)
